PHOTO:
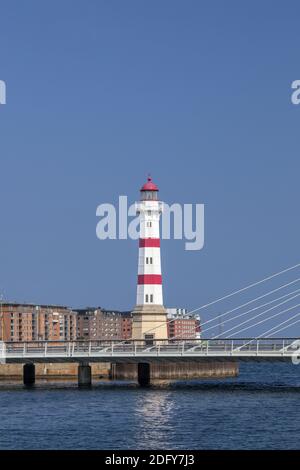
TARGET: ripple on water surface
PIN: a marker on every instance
(259, 409)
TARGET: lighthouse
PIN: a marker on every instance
(149, 314)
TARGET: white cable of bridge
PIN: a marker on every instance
(255, 316)
(253, 309)
(263, 321)
(285, 327)
(245, 288)
(234, 293)
(218, 317)
(248, 311)
(263, 335)
(280, 324)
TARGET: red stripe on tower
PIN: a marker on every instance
(149, 243)
(149, 279)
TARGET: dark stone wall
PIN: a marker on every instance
(177, 370)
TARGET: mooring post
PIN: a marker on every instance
(144, 374)
(29, 374)
(84, 375)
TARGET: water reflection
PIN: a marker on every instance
(154, 415)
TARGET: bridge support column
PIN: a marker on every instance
(29, 374)
(84, 375)
(144, 374)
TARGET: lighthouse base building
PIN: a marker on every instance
(149, 322)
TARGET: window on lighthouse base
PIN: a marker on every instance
(149, 340)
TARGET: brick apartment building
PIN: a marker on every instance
(97, 323)
(30, 322)
(182, 328)
(181, 325)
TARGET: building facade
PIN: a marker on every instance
(181, 325)
(101, 324)
(30, 322)
(182, 328)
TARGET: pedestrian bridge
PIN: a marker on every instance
(246, 349)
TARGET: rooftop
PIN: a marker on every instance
(149, 186)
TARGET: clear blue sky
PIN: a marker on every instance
(99, 93)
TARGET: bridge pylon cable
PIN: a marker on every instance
(287, 326)
(247, 312)
(253, 309)
(218, 317)
(263, 321)
(265, 333)
(280, 324)
(246, 288)
(234, 293)
(256, 316)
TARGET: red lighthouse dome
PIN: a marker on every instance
(149, 186)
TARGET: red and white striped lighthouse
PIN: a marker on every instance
(149, 315)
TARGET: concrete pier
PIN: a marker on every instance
(55, 370)
(84, 375)
(29, 374)
(144, 373)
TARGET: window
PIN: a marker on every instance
(151, 260)
(151, 298)
(149, 340)
(147, 260)
(149, 224)
(147, 298)
(148, 195)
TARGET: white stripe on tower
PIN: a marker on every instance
(149, 288)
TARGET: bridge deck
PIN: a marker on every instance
(249, 349)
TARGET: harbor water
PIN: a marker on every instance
(257, 410)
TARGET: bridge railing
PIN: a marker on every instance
(188, 347)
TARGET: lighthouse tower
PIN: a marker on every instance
(149, 315)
